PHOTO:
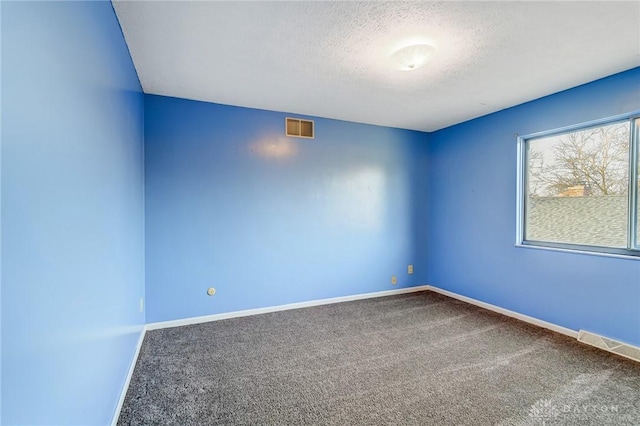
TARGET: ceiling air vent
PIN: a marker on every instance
(299, 128)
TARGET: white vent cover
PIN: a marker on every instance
(299, 128)
(609, 345)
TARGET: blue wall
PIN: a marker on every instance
(72, 212)
(1, 132)
(268, 220)
(471, 219)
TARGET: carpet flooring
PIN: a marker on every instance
(412, 359)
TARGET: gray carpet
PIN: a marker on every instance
(414, 359)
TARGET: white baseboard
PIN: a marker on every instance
(507, 312)
(125, 387)
(248, 312)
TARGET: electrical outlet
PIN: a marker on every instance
(410, 269)
(142, 304)
(394, 280)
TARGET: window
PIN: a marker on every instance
(579, 187)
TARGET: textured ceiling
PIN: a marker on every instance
(331, 59)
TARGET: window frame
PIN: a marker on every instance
(633, 240)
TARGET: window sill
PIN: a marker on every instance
(576, 251)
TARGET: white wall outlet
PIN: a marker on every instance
(211, 291)
(394, 280)
(410, 269)
(142, 304)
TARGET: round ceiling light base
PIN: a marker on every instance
(412, 57)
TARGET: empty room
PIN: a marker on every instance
(320, 213)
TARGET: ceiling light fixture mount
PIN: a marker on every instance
(412, 57)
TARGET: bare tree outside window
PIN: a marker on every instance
(578, 185)
(597, 159)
